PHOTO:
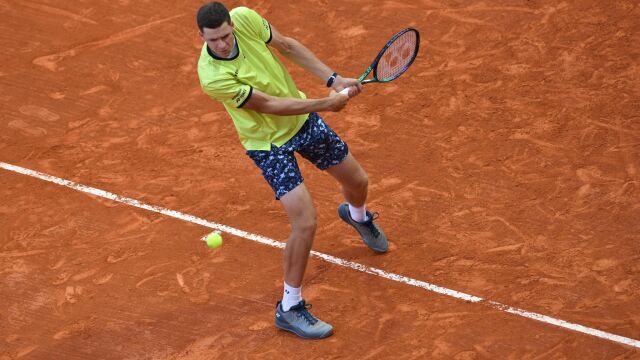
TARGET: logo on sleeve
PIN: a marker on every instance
(239, 95)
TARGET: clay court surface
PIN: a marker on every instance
(505, 164)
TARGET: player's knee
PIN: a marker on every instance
(306, 231)
(305, 222)
(306, 227)
(362, 181)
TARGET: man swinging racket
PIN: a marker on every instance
(273, 120)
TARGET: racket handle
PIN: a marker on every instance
(344, 91)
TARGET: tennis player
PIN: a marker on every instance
(274, 119)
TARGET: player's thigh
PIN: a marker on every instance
(279, 168)
(349, 173)
(321, 145)
(299, 207)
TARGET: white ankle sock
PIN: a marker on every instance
(358, 214)
(291, 297)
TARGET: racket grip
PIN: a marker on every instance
(344, 91)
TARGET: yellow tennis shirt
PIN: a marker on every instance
(231, 81)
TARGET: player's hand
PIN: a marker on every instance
(337, 101)
(342, 83)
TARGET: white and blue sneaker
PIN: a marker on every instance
(299, 321)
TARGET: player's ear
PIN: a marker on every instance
(201, 35)
(231, 24)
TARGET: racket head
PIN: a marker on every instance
(396, 56)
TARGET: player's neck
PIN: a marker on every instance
(234, 50)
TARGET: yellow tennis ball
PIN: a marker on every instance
(214, 240)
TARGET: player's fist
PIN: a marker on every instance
(354, 86)
(337, 101)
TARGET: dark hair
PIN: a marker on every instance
(212, 15)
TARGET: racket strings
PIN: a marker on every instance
(397, 57)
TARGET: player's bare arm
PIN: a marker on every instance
(268, 104)
(293, 50)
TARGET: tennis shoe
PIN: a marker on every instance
(370, 233)
(299, 321)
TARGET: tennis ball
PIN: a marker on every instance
(214, 240)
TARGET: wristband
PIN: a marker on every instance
(332, 78)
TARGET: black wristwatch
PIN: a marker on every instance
(332, 78)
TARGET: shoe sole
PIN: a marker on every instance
(348, 221)
(287, 327)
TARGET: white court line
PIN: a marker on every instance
(328, 258)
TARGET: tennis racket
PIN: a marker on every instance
(394, 59)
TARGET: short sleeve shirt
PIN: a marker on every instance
(231, 82)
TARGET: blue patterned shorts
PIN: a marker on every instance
(315, 141)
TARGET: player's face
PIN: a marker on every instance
(220, 39)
